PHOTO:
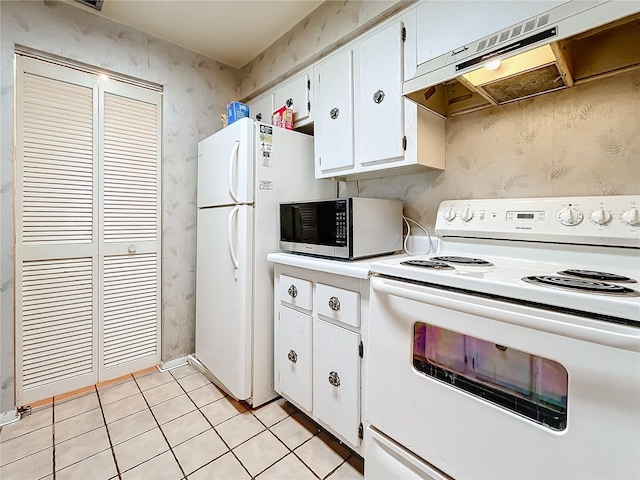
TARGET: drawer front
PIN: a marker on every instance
(295, 291)
(338, 304)
(293, 361)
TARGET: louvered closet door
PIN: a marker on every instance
(130, 230)
(56, 235)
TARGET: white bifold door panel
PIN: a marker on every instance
(336, 378)
(87, 190)
(231, 180)
(224, 301)
(379, 112)
(293, 356)
(334, 100)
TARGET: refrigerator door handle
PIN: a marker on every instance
(232, 253)
(232, 161)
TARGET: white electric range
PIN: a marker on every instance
(514, 350)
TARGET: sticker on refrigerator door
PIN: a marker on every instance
(266, 138)
(266, 159)
(265, 185)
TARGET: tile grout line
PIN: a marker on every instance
(230, 450)
(106, 427)
(184, 475)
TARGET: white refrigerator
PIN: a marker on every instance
(244, 171)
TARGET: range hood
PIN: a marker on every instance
(570, 44)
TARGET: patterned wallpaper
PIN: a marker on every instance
(332, 24)
(579, 141)
(196, 91)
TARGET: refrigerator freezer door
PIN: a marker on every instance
(225, 166)
(224, 286)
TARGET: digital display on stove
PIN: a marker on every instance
(525, 216)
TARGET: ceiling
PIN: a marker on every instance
(232, 32)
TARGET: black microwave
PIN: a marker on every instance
(346, 228)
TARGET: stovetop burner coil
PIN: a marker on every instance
(576, 284)
(593, 275)
(462, 261)
(428, 264)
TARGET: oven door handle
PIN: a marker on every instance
(500, 312)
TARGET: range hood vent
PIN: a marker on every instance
(568, 45)
(96, 4)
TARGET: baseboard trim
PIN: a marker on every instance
(11, 416)
(175, 363)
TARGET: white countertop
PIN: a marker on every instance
(347, 268)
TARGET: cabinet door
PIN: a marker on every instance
(334, 114)
(297, 93)
(444, 26)
(379, 112)
(261, 108)
(293, 356)
(336, 379)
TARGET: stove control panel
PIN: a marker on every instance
(598, 220)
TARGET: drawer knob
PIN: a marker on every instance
(334, 113)
(334, 379)
(293, 291)
(378, 96)
(334, 304)
(292, 356)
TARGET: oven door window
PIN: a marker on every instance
(531, 386)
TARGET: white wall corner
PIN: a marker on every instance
(176, 362)
(8, 417)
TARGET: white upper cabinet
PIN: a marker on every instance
(379, 105)
(296, 94)
(445, 26)
(376, 132)
(261, 108)
(333, 126)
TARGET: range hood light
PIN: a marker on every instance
(511, 66)
(493, 65)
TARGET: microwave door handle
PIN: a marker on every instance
(232, 162)
(232, 253)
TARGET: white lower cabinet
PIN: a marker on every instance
(293, 356)
(336, 378)
(319, 363)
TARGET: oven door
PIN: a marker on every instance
(481, 388)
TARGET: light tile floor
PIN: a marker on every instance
(171, 425)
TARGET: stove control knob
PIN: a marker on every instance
(449, 214)
(570, 216)
(631, 217)
(466, 214)
(600, 216)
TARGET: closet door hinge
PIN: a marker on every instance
(360, 431)
(404, 142)
(308, 84)
(404, 34)
(361, 350)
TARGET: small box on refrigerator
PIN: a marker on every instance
(236, 111)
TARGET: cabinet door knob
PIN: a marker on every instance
(292, 356)
(334, 304)
(259, 117)
(334, 113)
(334, 379)
(289, 102)
(378, 96)
(293, 291)
(132, 249)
